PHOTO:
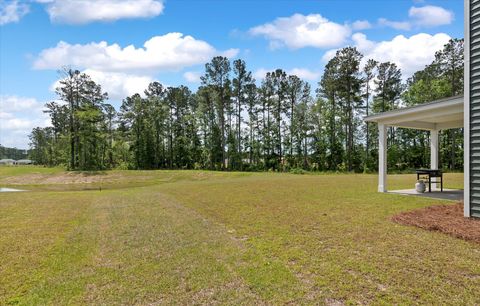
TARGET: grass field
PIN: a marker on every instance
(193, 237)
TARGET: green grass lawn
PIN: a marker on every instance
(195, 237)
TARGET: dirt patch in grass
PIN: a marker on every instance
(61, 178)
(447, 219)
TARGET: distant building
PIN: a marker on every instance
(7, 162)
(24, 162)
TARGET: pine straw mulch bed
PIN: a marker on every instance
(447, 219)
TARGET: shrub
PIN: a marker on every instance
(298, 171)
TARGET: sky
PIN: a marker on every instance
(126, 44)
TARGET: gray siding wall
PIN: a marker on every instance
(474, 48)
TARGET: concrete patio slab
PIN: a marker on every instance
(447, 194)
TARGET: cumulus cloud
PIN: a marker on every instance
(123, 71)
(421, 17)
(397, 25)
(19, 104)
(19, 115)
(430, 16)
(120, 85)
(192, 76)
(303, 73)
(169, 52)
(12, 11)
(409, 53)
(5, 115)
(299, 31)
(260, 73)
(86, 11)
(361, 25)
(83, 11)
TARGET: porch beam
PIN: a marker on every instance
(424, 115)
(417, 125)
(450, 125)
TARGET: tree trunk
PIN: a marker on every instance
(365, 166)
(291, 126)
(239, 107)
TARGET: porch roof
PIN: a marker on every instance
(436, 115)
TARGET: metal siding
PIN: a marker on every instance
(474, 69)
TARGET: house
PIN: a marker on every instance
(455, 112)
(437, 115)
(472, 109)
(9, 162)
(24, 162)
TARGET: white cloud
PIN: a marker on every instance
(299, 31)
(260, 73)
(5, 115)
(169, 52)
(123, 71)
(425, 16)
(83, 11)
(430, 16)
(302, 73)
(120, 85)
(19, 115)
(361, 25)
(192, 76)
(15, 124)
(305, 74)
(397, 25)
(409, 53)
(128, 70)
(86, 11)
(17, 104)
(12, 11)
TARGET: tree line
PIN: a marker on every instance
(12, 153)
(233, 122)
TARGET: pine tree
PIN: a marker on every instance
(217, 74)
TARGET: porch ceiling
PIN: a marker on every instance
(437, 115)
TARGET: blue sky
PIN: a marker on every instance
(124, 44)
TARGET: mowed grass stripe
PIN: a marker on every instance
(34, 231)
(120, 247)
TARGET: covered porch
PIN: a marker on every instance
(433, 117)
(447, 194)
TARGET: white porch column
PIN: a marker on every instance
(434, 152)
(434, 149)
(382, 157)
